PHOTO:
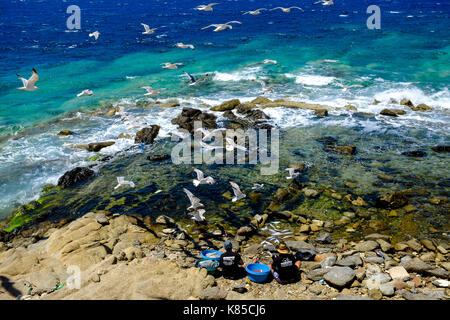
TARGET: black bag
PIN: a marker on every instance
(304, 255)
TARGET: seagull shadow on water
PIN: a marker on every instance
(8, 286)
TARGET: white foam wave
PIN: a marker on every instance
(311, 80)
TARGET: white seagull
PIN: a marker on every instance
(197, 215)
(94, 34)
(221, 26)
(207, 134)
(325, 2)
(28, 85)
(184, 46)
(231, 145)
(286, 10)
(201, 179)
(195, 202)
(147, 29)
(345, 88)
(206, 7)
(257, 186)
(264, 85)
(292, 173)
(122, 182)
(171, 66)
(151, 91)
(238, 195)
(254, 12)
(86, 92)
(268, 61)
(193, 80)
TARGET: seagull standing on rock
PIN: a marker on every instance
(238, 195)
(28, 85)
(221, 26)
(201, 179)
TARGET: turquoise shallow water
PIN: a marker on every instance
(315, 50)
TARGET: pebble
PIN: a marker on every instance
(350, 261)
(441, 283)
(366, 246)
(399, 273)
(387, 289)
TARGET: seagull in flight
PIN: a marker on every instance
(221, 26)
(184, 46)
(193, 80)
(264, 85)
(122, 182)
(206, 7)
(292, 173)
(147, 29)
(325, 3)
(86, 92)
(28, 85)
(171, 66)
(238, 195)
(254, 12)
(269, 61)
(208, 134)
(197, 215)
(151, 91)
(195, 202)
(345, 88)
(95, 34)
(286, 10)
(231, 145)
(257, 186)
(201, 179)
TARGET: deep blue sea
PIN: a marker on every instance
(409, 57)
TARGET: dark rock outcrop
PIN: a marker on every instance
(188, 116)
(395, 199)
(147, 135)
(441, 149)
(75, 176)
(415, 154)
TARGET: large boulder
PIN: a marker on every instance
(188, 116)
(147, 135)
(75, 176)
(392, 112)
(340, 276)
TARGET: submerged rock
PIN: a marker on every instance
(415, 153)
(74, 176)
(65, 133)
(147, 135)
(321, 113)
(394, 199)
(441, 149)
(348, 149)
(158, 157)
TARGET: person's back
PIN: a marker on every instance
(285, 266)
(230, 262)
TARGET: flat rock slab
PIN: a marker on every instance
(340, 276)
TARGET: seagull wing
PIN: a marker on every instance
(276, 8)
(233, 22)
(191, 77)
(24, 81)
(34, 78)
(236, 189)
(296, 8)
(200, 175)
(211, 25)
(146, 27)
(193, 199)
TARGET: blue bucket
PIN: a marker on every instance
(261, 276)
(204, 253)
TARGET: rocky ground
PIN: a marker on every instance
(132, 257)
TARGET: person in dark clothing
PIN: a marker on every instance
(285, 266)
(231, 263)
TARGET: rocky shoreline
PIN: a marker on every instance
(132, 257)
